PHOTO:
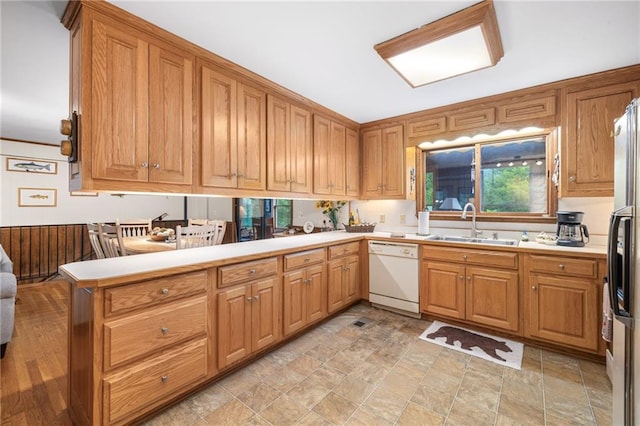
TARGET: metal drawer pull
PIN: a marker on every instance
(561, 266)
(252, 270)
(249, 299)
(156, 165)
(534, 288)
(164, 291)
(164, 378)
(306, 259)
(469, 277)
(257, 297)
(461, 277)
(164, 330)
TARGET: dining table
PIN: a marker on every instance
(144, 244)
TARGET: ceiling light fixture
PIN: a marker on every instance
(465, 41)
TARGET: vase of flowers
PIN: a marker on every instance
(331, 209)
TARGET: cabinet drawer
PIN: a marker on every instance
(427, 127)
(144, 333)
(472, 119)
(296, 260)
(137, 296)
(344, 250)
(140, 388)
(564, 266)
(241, 272)
(500, 259)
(529, 109)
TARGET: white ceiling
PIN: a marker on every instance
(322, 50)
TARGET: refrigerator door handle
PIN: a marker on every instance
(614, 274)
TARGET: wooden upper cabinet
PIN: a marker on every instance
(587, 143)
(382, 148)
(218, 129)
(329, 157)
(170, 116)
(352, 163)
(233, 132)
(289, 148)
(337, 158)
(252, 137)
(142, 100)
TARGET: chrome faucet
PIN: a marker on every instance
(474, 231)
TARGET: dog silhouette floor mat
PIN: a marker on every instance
(496, 349)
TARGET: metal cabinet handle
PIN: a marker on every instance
(461, 277)
(257, 297)
(534, 288)
(240, 175)
(164, 291)
(252, 270)
(164, 378)
(572, 178)
(468, 277)
(306, 259)
(144, 164)
(164, 330)
(156, 165)
(464, 256)
(561, 266)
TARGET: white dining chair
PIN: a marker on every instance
(221, 227)
(135, 227)
(195, 236)
(95, 238)
(112, 244)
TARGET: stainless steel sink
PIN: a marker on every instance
(472, 240)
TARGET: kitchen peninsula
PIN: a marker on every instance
(147, 330)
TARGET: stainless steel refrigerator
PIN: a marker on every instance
(624, 270)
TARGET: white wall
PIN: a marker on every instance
(69, 209)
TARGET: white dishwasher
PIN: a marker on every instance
(394, 279)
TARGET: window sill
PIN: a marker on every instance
(455, 216)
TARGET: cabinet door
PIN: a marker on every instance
(234, 325)
(295, 299)
(170, 116)
(492, 297)
(119, 100)
(316, 293)
(337, 160)
(252, 138)
(352, 279)
(371, 163)
(264, 312)
(301, 150)
(322, 155)
(278, 145)
(442, 289)
(588, 148)
(352, 163)
(219, 143)
(335, 293)
(392, 153)
(562, 310)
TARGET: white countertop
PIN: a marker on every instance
(92, 273)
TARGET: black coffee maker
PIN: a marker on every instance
(571, 232)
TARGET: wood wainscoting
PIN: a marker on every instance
(37, 251)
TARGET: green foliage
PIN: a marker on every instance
(505, 189)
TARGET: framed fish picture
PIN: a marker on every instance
(37, 197)
(31, 166)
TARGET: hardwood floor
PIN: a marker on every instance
(33, 373)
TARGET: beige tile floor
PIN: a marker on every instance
(382, 374)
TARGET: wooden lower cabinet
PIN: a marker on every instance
(562, 299)
(147, 384)
(248, 319)
(136, 347)
(343, 282)
(484, 295)
(304, 298)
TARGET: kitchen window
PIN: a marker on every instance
(506, 178)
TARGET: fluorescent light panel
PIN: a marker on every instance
(465, 41)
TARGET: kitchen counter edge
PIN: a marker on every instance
(128, 269)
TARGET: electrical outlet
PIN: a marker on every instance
(382, 218)
(403, 219)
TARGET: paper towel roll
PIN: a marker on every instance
(423, 223)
